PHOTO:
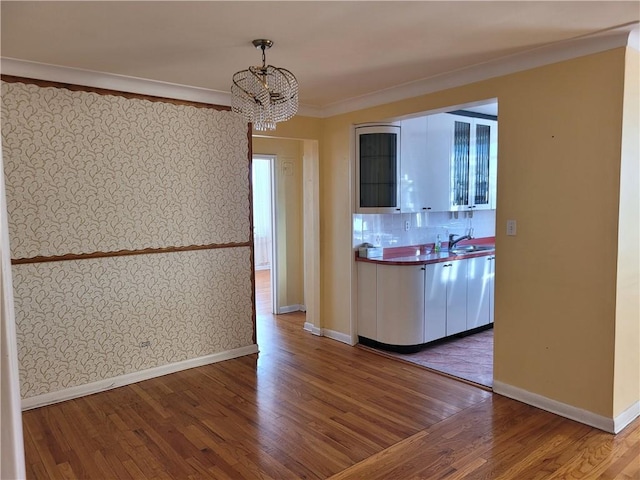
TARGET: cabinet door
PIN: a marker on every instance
(377, 169)
(367, 289)
(435, 301)
(483, 164)
(461, 163)
(479, 277)
(400, 302)
(457, 297)
(414, 174)
(492, 286)
(438, 172)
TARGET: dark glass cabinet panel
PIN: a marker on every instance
(481, 181)
(473, 159)
(378, 167)
(461, 163)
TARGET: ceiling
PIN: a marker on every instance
(338, 50)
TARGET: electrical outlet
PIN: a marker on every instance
(511, 228)
(145, 344)
(407, 225)
(377, 240)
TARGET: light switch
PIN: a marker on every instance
(511, 228)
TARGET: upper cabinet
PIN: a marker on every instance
(377, 168)
(468, 148)
(424, 185)
(438, 163)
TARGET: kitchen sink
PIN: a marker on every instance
(465, 249)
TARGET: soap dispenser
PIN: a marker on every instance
(438, 244)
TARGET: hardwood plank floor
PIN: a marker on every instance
(311, 407)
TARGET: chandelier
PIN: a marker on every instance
(264, 95)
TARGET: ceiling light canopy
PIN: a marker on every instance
(264, 95)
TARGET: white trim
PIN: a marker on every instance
(607, 424)
(545, 55)
(129, 378)
(325, 332)
(310, 327)
(263, 267)
(111, 81)
(11, 434)
(634, 39)
(290, 308)
(626, 35)
(339, 336)
(626, 417)
(123, 83)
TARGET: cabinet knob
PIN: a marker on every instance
(423, 268)
(397, 209)
(426, 208)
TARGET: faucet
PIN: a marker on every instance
(453, 243)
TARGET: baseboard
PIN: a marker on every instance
(600, 422)
(626, 417)
(291, 308)
(339, 336)
(129, 378)
(325, 332)
(310, 327)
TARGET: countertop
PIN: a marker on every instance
(414, 255)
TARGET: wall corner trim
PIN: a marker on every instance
(332, 334)
(311, 328)
(129, 378)
(610, 425)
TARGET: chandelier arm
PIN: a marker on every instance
(265, 95)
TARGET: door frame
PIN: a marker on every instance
(274, 222)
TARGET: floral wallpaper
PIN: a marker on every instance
(86, 173)
(85, 320)
(101, 173)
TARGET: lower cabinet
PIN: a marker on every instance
(407, 305)
(480, 291)
(367, 308)
(446, 299)
(400, 304)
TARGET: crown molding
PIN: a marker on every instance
(122, 83)
(626, 35)
(111, 81)
(545, 55)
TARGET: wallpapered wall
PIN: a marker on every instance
(86, 173)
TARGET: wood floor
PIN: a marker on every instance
(313, 408)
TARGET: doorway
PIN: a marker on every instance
(264, 215)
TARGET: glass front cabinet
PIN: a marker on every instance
(468, 146)
(377, 168)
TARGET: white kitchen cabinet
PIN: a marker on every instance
(464, 152)
(457, 297)
(492, 286)
(435, 302)
(445, 299)
(415, 169)
(367, 291)
(400, 304)
(479, 291)
(377, 155)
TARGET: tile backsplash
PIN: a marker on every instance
(388, 230)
